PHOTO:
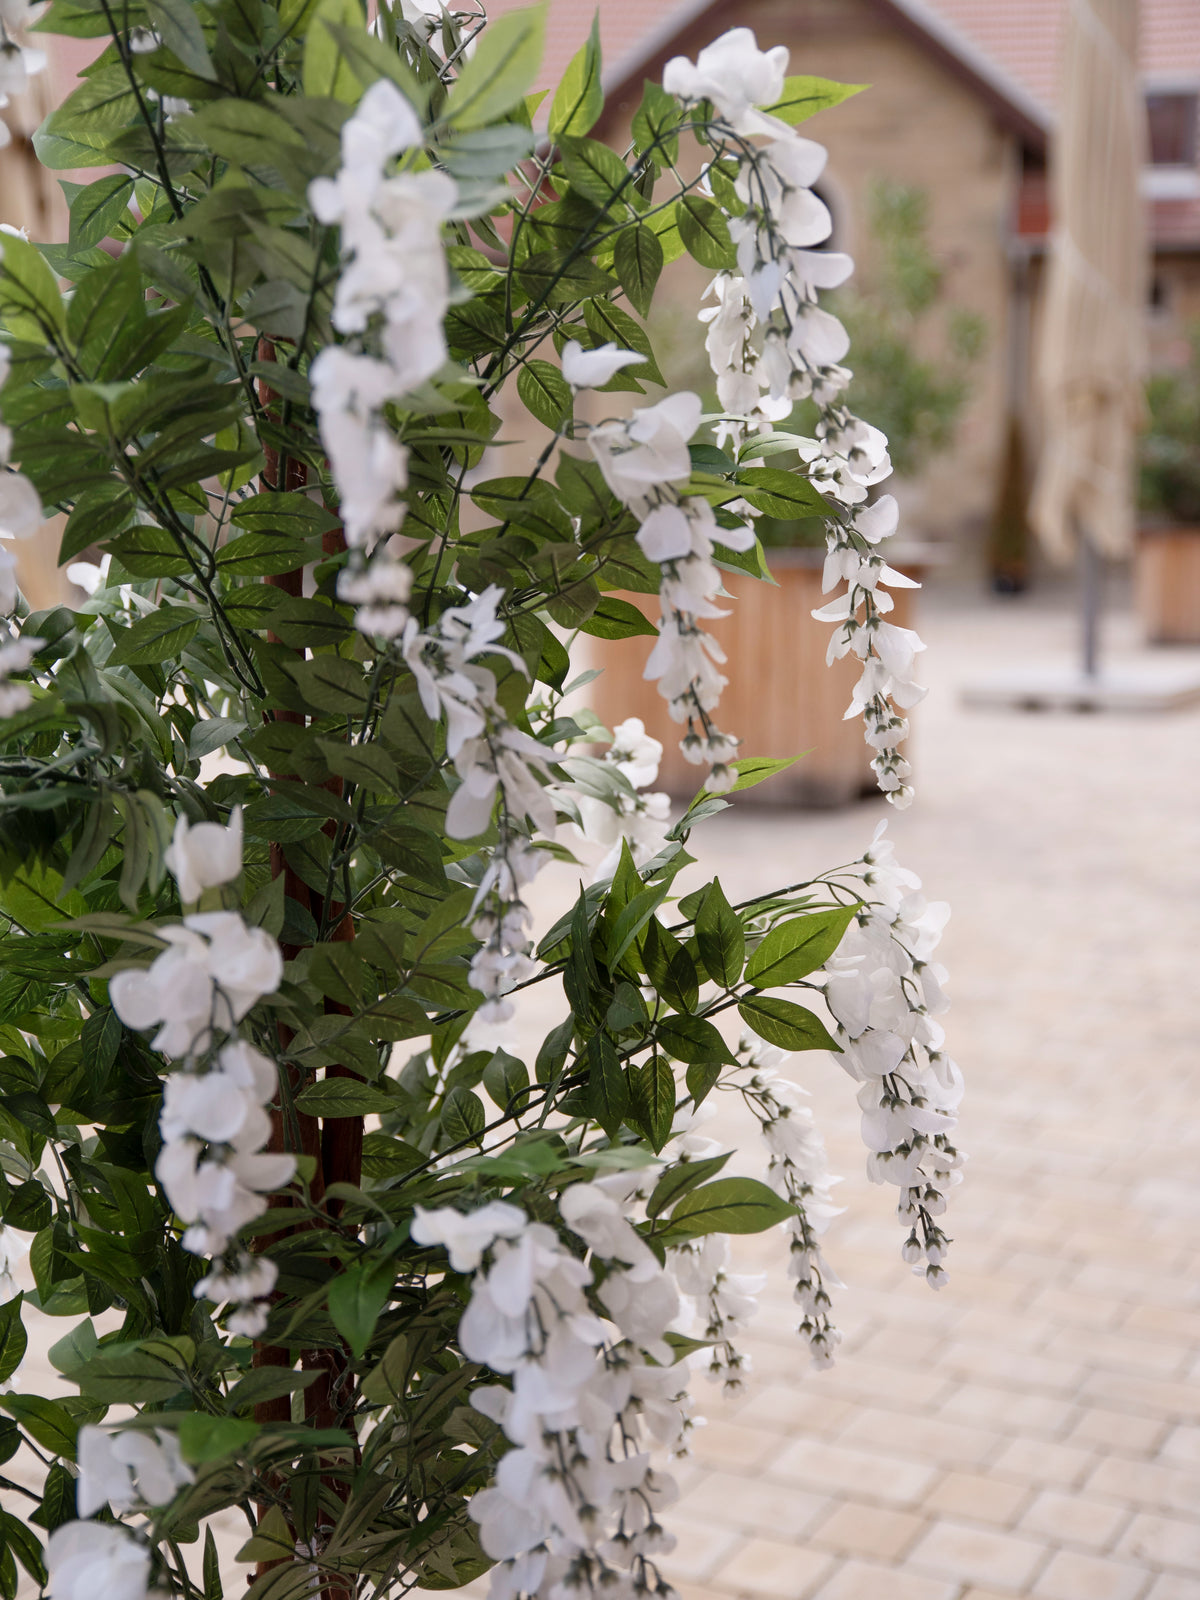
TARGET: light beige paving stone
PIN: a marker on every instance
(1037, 1461)
(1162, 1542)
(863, 1580)
(753, 1504)
(1170, 1586)
(855, 1529)
(930, 1438)
(732, 1444)
(1182, 1446)
(973, 1554)
(1119, 1431)
(1121, 1352)
(1072, 1576)
(1009, 1410)
(792, 1408)
(978, 1497)
(998, 1363)
(871, 1474)
(1175, 1488)
(1175, 1322)
(770, 1567)
(1173, 1401)
(702, 1546)
(1075, 1519)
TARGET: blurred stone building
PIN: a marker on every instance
(961, 102)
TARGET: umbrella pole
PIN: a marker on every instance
(1091, 578)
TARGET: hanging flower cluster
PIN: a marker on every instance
(575, 1502)
(127, 1468)
(390, 300)
(798, 1170)
(886, 994)
(724, 1302)
(645, 461)
(213, 1166)
(771, 344)
(615, 813)
(494, 760)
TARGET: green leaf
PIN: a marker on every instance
(356, 1299)
(720, 937)
(463, 1116)
(205, 1438)
(753, 770)
(506, 1079)
(692, 1039)
(618, 619)
(730, 1205)
(607, 1091)
(98, 207)
(579, 98)
(545, 393)
(676, 1181)
(330, 683)
(29, 295)
(499, 75)
(13, 1339)
(652, 1099)
(593, 170)
(343, 1097)
(58, 1497)
(638, 261)
(804, 96)
(787, 1025)
(155, 639)
(134, 1377)
(702, 1077)
(51, 1425)
(781, 494)
(327, 73)
(655, 122)
(794, 949)
(608, 322)
(267, 1383)
(178, 25)
(704, 231)
(16, 1536)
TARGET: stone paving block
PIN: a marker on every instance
(972, 1554)
(754, 1504)
(861, 1379)
(862, 1580)
(869, 1473)
(855, 1529)
(1175, 1322)
(1172, 1587)
(769, 1567)
(998, 1363)
(1072, 1576)
(792, 1407)
(1121, 1352)
(1172, 1401)
(978, 1497)
(1175, 1488)
(1162, 1542)
(953, 1444)
(1182, 1446)
(1008, 1410)
(1076, 1519)
(702, 1546)
(1118, 1430)
(732, 1444)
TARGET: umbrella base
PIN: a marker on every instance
(1136, 686)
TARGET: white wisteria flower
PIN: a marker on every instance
(590, 369)
(736, 76)
(128, 1468)
(88, 1559)
(203, 855)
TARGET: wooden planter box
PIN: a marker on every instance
(1167, 584)
(781, 699)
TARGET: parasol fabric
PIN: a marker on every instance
(1090, 356)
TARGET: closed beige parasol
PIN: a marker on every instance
(1089, 367)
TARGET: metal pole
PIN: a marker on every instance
(1091, 577)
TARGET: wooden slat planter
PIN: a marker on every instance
(1167, 584)
(781, 699)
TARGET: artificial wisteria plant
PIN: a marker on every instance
(409, 1305)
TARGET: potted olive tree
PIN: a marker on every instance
(1167, 570)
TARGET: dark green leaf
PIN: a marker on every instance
(13, 1339)
(155, 639)
(638, 260)
(720, 938)
(607, 1092)
(677, 1180)
(463, 1116)
(730, 1205)
(343, 1097)
(98, 207)
(785, 1024)
(206, 1438)
(692, 1039)
(794, 949)
(704, 231)
(652, 1099)
(356, 1298)
(579, 98)
(781, 494)
(545, 393)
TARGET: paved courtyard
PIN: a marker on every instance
(1035, 1428)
